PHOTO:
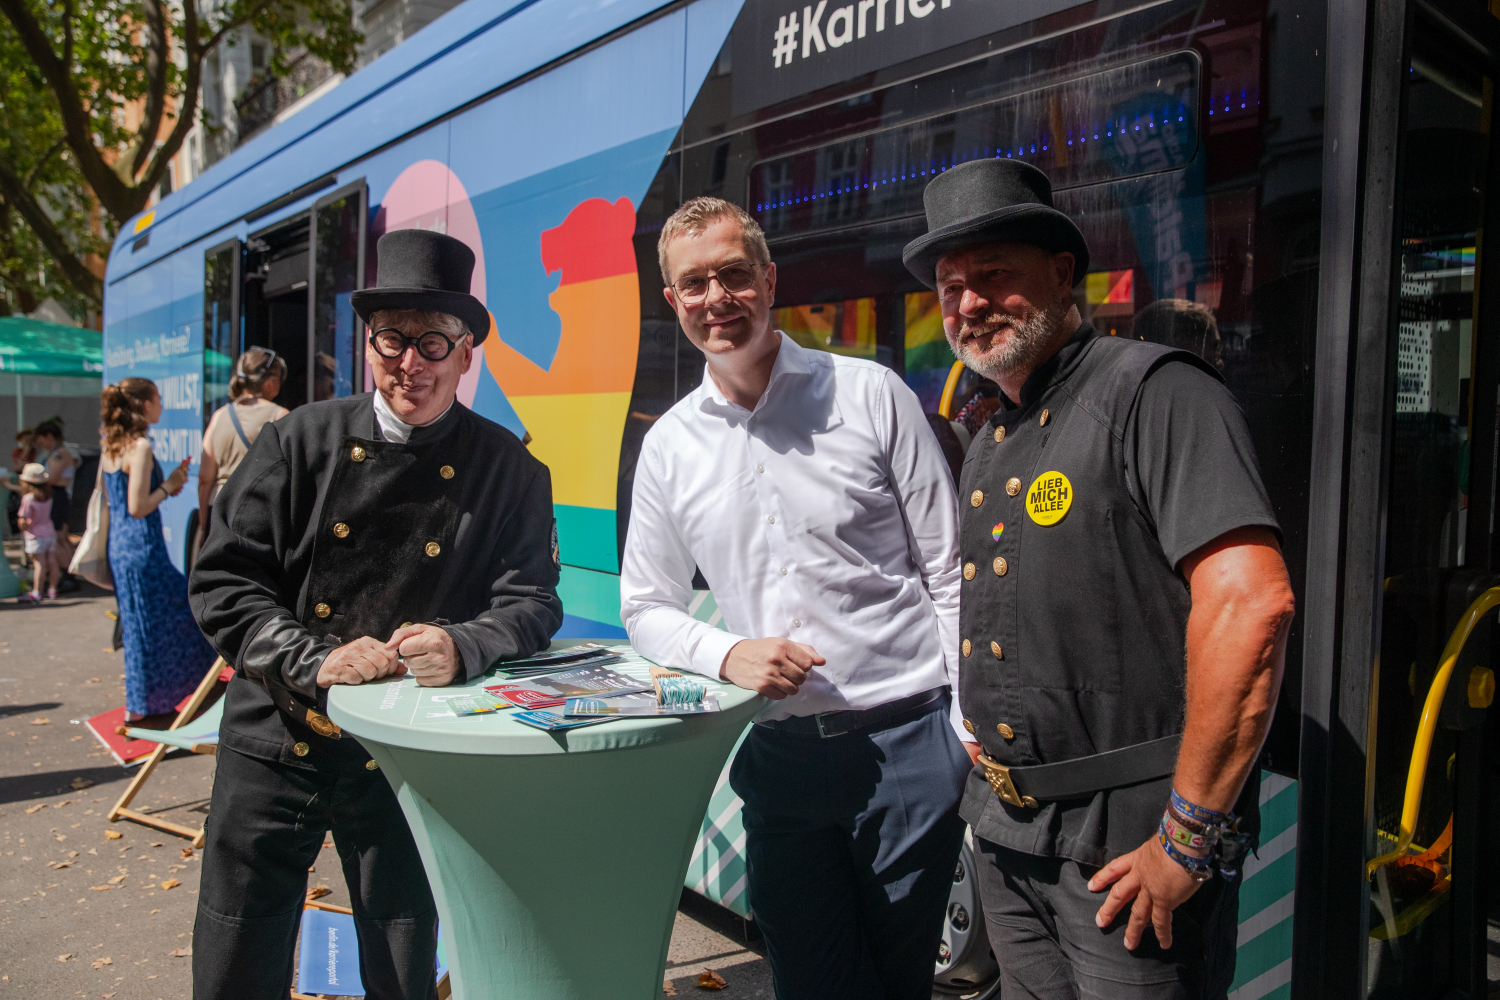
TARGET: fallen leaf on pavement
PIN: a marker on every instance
(181, 953)
(113, 834)
(187, 852)
(116, 880)
(106, 996)
(41, 720)
(64, 958)
(58, 865)
(96, 680)
(170, 883)
(667, 989)
(64, 802)
(711, 980)
(155, 911)
(317, 892)
(36, 808)
(155, 843)
(80, 783)
(100, 888)
(100, 963)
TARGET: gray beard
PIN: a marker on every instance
(1027, 348)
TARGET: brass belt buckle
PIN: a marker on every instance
(998, 775)
(322, 724)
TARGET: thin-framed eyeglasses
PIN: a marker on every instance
(693, 288)
(392, 343)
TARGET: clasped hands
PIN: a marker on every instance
(426, 651)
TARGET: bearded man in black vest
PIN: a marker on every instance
(394, 532)
(1123, 619)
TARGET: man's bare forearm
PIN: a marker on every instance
(1236, 650)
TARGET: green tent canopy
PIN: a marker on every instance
(35, 347)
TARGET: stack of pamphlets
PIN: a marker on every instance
(477, 704)
(587, 654)
(551, 690)
(551, 721)
(637, 705)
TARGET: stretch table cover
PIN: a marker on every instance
(556, 858)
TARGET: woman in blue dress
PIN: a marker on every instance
(166, 655)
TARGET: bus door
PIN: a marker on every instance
(287, 288)
(1433, 795)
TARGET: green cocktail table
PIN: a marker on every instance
(557, 859)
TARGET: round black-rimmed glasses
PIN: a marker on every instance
(392, 343)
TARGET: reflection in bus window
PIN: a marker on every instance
(846, 328)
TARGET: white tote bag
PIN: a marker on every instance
(91, 559)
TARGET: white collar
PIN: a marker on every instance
(392, 427)
(791, 359)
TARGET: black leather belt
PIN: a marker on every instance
(853, 720)
(1029, 787)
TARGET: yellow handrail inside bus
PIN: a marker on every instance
(1422, 748)
(945, 405)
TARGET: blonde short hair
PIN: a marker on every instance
(445, 323)
(697, 215)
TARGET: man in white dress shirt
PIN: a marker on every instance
(810, 492)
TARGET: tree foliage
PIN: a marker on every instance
(111, 92)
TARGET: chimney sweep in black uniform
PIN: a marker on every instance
(385, 533)
(1123, 619)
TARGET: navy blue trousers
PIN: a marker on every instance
(851, 843)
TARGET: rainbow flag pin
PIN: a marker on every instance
(997, 530)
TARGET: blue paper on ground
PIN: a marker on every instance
(328, 961)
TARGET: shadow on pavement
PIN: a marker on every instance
(6, 711)
(37, 786)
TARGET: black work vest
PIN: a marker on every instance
(1072, 622)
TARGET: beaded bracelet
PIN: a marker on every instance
(1181, 834)
(1200, 869)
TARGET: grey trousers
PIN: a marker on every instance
(1040, 915)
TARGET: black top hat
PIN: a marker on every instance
(424, 270)
(991, 201)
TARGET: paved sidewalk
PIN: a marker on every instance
(84, 914)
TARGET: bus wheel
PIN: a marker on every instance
(965, 965)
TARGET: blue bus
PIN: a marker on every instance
(1296, 191)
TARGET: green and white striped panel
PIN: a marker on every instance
(1264, 958)
(717, 869)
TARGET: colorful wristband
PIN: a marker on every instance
(1180, 834)
(1202, 814)
(1201, 869)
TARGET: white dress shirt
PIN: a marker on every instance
(826, 515)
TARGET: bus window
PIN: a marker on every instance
(1183, 137)
(275, 301)
(221, 332)
(339, 240)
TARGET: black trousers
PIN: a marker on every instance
(1040, 915)
(265, 828)
(851, 843)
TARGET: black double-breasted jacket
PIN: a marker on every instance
(1072, 619)
(327, 532)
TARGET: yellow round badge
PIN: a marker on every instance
(1049, 498)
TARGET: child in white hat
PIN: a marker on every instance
(35, 519)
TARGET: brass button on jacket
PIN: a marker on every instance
(1046, 415)
(1001, 566)
(301, 749)
(433, 548)
(1005, 731)
(969, 726)
(968, 571)
(357, 453)
(966, 647)
(322, 610)
(995, 648)
(406, 624)
(999, 434)
(341, 530)
(1012, 486)
(370, 765)
(446, 472)
(976, 498)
